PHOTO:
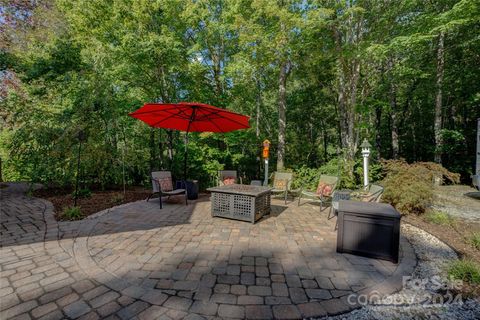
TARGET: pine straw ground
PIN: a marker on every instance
(98, 201)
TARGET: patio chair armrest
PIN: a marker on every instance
(358, 194)
(289, 181)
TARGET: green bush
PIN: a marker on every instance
(439, 217)
(350, 174)
(306, 178)
(465, 270)
(409, 187)
(474, 240)
(82, 193)
(72, 213)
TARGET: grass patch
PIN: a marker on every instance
(465, 270)
(72, 213)
(117, 199)
(439, 217)
(474, 240)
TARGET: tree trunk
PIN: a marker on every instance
(378, 136)
(152, 149)
(352, 139)
(394, 116)
(160, 151)
(257, 116)
(170, 148)
(342, 108)
(346, 102)
(438, 98)
(325, 143)
(282, 106)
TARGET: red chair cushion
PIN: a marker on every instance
(324, 189)
(165, 184)
(280, 184)
(229, 180)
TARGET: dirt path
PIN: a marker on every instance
(455, 201)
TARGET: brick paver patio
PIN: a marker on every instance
(140, 262)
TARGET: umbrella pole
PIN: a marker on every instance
(185, 158)
(192, 118)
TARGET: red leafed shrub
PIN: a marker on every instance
(409, 187)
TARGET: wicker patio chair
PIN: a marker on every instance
(282, 182)
(162, 185)
(323, 194)
(227, 177)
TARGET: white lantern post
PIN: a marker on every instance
(365, 153)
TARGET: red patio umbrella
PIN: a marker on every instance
(190, 117)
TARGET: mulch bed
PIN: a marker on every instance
(455, 236)
(98, 201)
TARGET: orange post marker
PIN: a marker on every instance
(266, 149)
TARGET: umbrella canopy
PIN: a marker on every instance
(190, 117)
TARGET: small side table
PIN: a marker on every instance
(337, 196)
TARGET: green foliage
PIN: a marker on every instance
(350, 174)
(409, 187)
(82, 193)
(439, 217)
(474, 240)
(453, 148)
(85, 64)
(465, 270)
(305, 178)
(72, 213)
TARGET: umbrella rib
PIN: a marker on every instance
(235, 121)
(217, 113)
(152, 111)
(223, 117)
(181, 115)
(164, 119)
(216, 125)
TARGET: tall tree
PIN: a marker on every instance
(438, 97)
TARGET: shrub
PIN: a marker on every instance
(409, 187)
(350, 174)
(474, 240)
(465, 270)
(72, 213)
(82, 193)
(306, 178)
(439, 217)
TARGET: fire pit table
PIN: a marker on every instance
(240, 202)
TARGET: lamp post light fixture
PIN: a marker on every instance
(365, 153)
(265, 154)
